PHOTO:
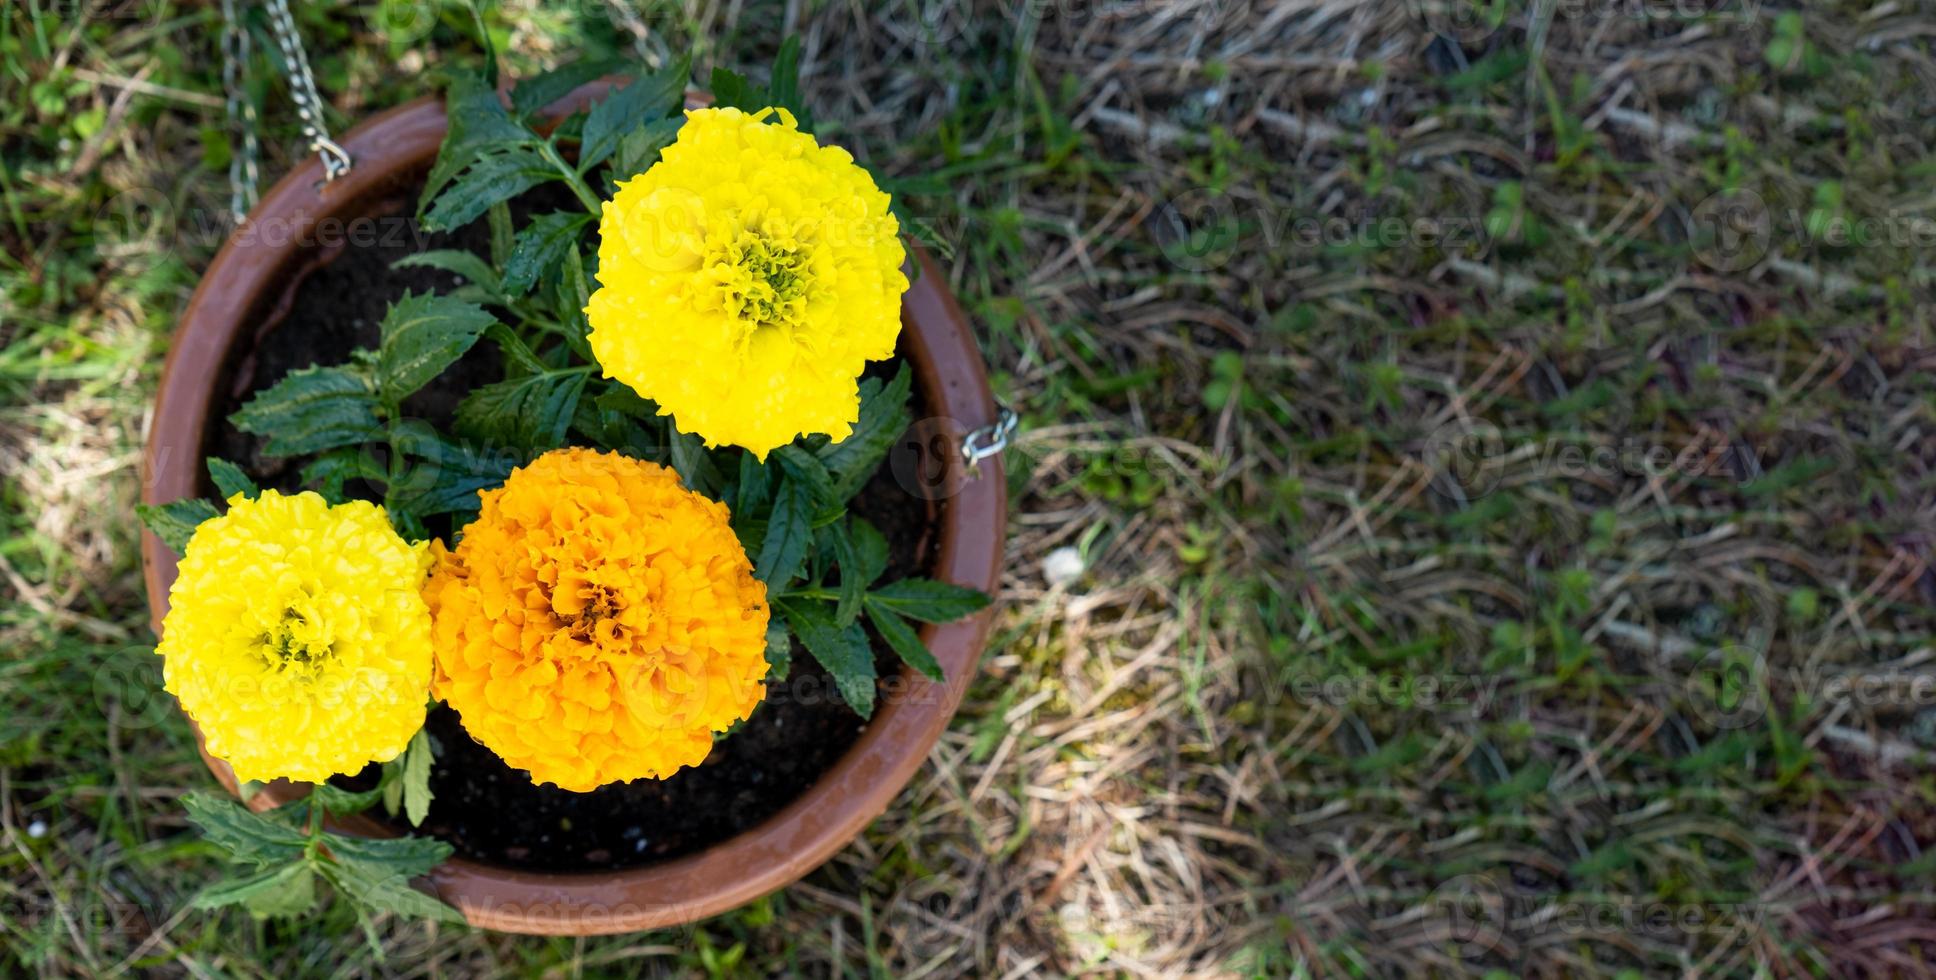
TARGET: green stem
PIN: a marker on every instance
(809, 594)
(572, 179)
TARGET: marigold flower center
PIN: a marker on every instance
(296, 643)
(762, 279)
(598, 617)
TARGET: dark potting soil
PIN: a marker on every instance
(485, 809)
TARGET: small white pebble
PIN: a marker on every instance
(37, 829)
(1062, 566)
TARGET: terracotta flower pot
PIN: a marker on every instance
(251, 282)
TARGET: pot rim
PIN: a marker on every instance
(249, 272)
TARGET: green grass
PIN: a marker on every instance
(1402, 640)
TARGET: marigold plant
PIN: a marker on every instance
(745, 280)
(578, 591)
(297, 636)
(598, 622)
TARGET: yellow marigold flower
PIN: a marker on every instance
(745, 280)
(297, 636)
(598, 622)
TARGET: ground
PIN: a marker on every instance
(1499, 441)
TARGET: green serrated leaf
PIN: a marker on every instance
(694, 464)
(784, 89)
(751, 490)
(870, 552)
(392, 787)
(311, 410)
(779, 649)
(378, 887)
(493, 179)
(409, 526)
(327, 473)
(641, 148)
(423, 335)
(445, 475)
(230, 480)
(456, 261)
(835, 540)
(926, 600)
(807, 468)
(788, 532)
(569, 293)
(338, 802)
(532, 412)
(478, 123)
(407, 856)
(625, 110)
(732, 90)
(497, 219)
(621, 399)
(905, 642)
(287, 890)
(175, 522)
(785, 85)
(541, 90)
(243, 833)
(883, 417)
(517, 355)
(844, 651)
(416, 778)
(540, 247)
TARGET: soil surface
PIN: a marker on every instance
(488, 811)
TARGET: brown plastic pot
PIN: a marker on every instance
(247, 289)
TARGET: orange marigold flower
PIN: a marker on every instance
(598, 622)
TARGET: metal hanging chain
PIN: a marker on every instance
(241, 112)
(989, 440)
(242, 116)
(302, 88)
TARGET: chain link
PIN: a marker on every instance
(302, 88)
(244, 165)
(243, 160)
(989, 440)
